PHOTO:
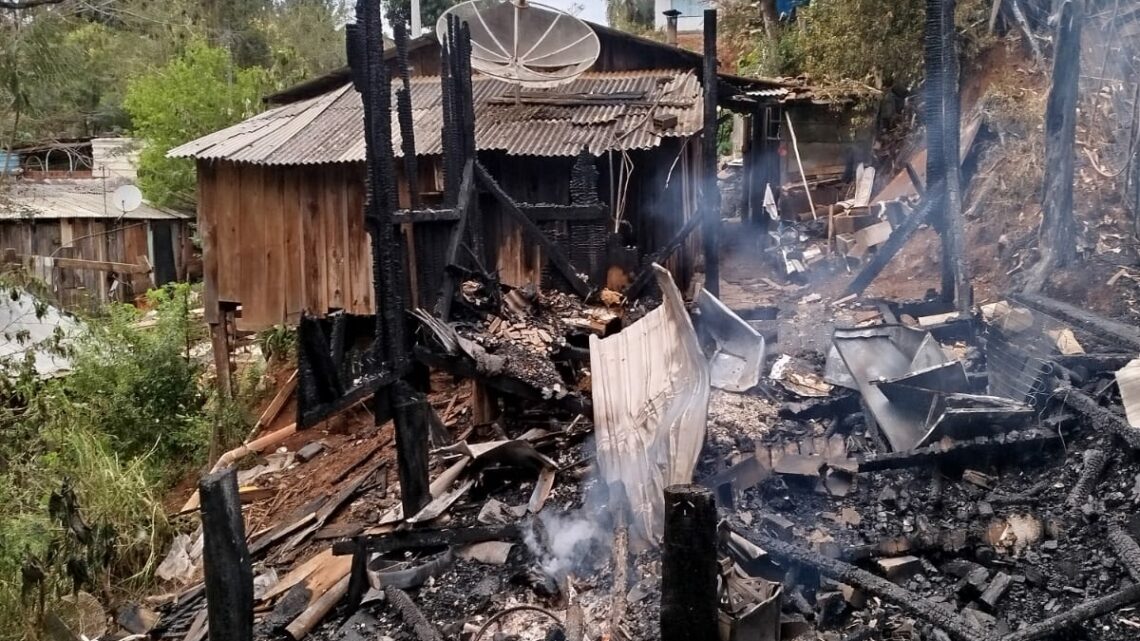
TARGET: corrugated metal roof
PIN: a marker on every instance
(73, 199)
(329, 128)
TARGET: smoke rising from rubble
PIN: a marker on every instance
(576, 540)
(576, 543)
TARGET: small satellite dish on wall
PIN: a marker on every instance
(525, 43)
(127, 198)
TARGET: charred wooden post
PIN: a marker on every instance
(935, 614)
(1077, 615)
(1095, 462)
(957, 288)
(689, 564)
(404, 114)
(228, 567)
(358, 576)
(370, 76)
(710, 192)
(1057, 239)
(412, 429)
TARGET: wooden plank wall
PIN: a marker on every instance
(281, 240)
(88, 239)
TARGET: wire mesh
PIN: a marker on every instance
(1020, 351)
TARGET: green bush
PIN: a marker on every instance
(85, 458)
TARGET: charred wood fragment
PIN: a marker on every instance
(412, 615)
(689, 568)
(1077, 615)
(1094, 463)
(1126, 549)
(1004, 444)
(932, 613)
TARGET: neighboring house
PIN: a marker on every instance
(59, 218)
(280, 196)
(72, 236)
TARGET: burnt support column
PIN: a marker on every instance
(1057, 239)
(689, 565)
(710, 192)
(227, 565)
(411, 413)
(1095, 462)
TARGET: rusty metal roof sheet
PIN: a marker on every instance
(599, 111)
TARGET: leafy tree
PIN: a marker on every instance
(31, 65)
(630, 15)
(304, 39)
(196, 93)
(430, 11)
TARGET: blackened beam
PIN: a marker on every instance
(1026, 440)
(660, 256)
(1110, 330)
(935, 614)
(353, 396)
(894, 243)
(228, 567)
(463, 203)
(1077, 615)
(1102, 419)
(552, 251)
(424, 216)
(420, 539)
(1093, 363)
(540, 213)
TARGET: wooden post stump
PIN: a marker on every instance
(689, 566)
(228, 567)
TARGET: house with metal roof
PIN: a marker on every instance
(280, 196)
(72, 235)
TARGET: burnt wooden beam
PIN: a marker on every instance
(1125, 548)
(447, 287)
(935, 614)
(1109, 330)
(405, 216)
(894, 243)
(1076, 615)
(412, 616)
(1094, 463)
(419, 539)
(227, 565)
(1102, 418)
(551, 251)
(1057, 239)
(689, 568)
(915, 180)
(1011, 442)
(710, 191)
(412, 428)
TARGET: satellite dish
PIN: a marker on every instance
(127, 198)
(525, 43)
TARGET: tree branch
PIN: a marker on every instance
(13, 5)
